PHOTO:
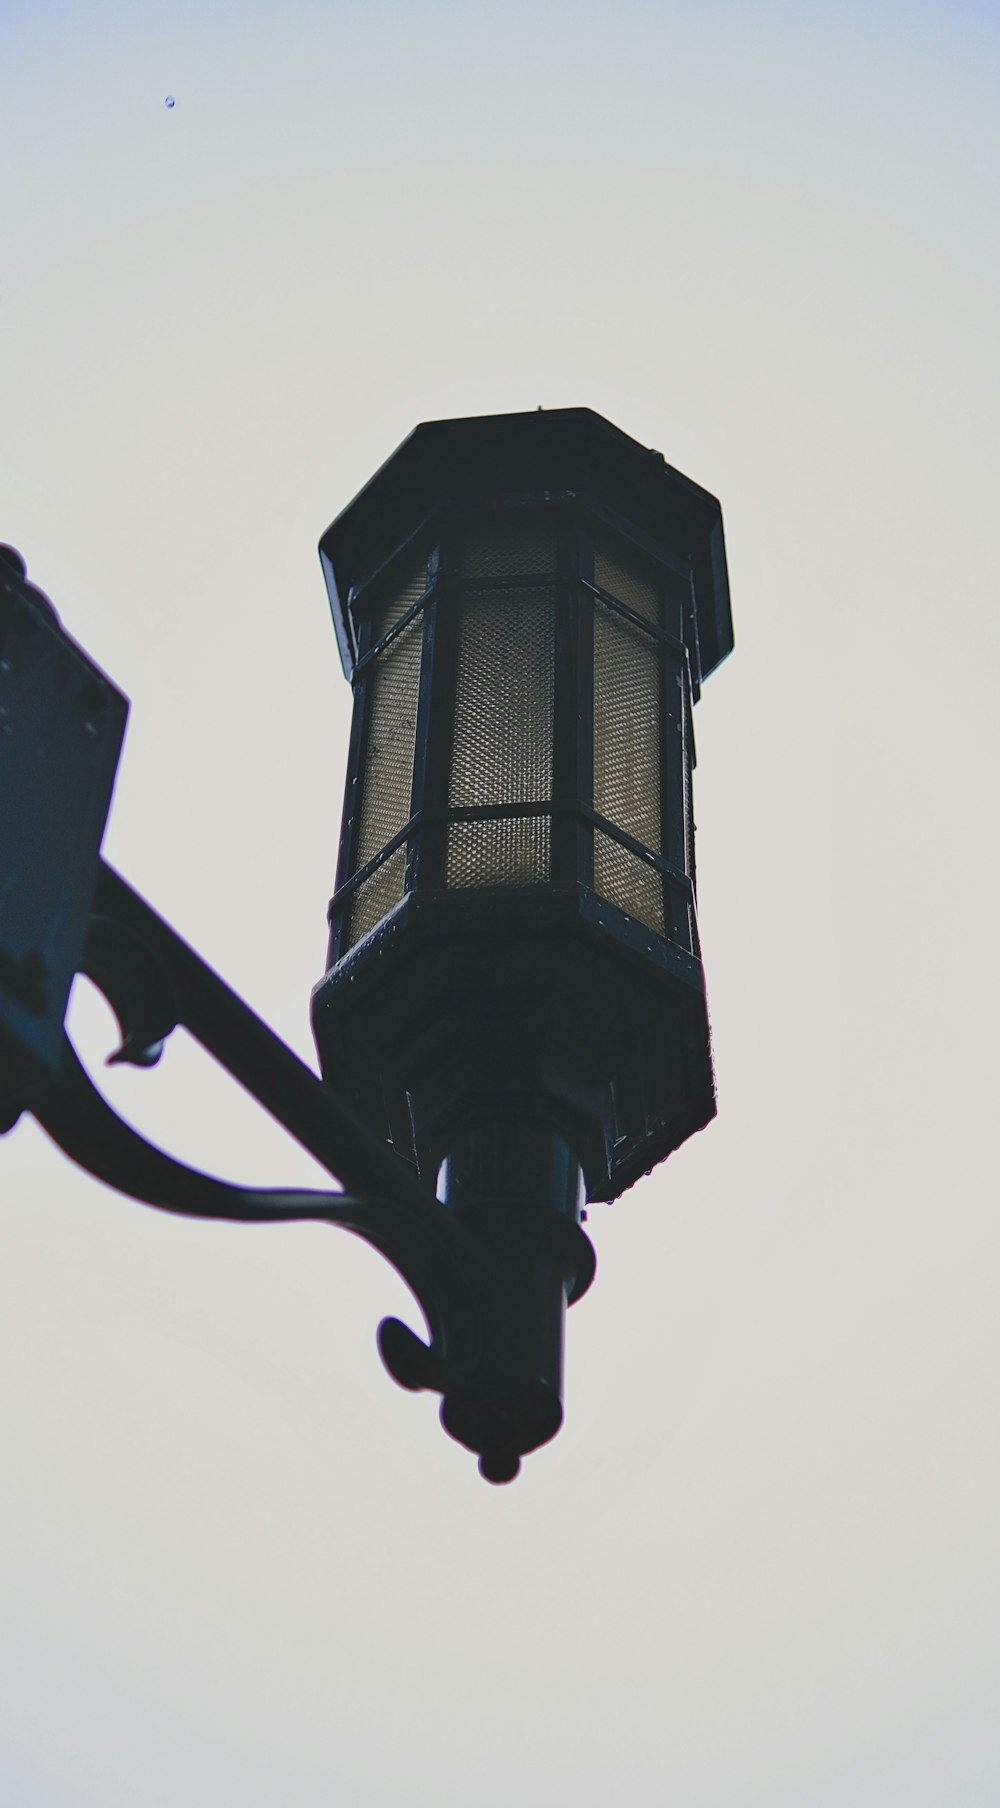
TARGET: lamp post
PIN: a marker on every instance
(513, 1018)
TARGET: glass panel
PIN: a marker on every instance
(627, 726)
(504, 850)
(376, 896)
(674, 604)
(504, 698)
(622, 579)
(625, 880)
(387, 599)
(509, 546)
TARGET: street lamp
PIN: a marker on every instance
(513, 1019)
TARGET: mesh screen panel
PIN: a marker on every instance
(504, 698)
(375, 897)
(622, 580)
(625, 880)
(386, 771)
(509, 547)
(502, 851)
(627, 726)
(387, 765)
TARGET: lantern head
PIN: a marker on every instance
(526, 606)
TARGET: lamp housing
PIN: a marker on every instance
(527, 606)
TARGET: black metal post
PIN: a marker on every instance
(514, 1181)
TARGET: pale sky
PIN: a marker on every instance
(759, 1566)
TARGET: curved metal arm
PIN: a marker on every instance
(492, 1303)
(440, 1264)
(160, 982)
(86, 1127)
(154, 982)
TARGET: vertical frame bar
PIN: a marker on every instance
(565, 752)
(440, 630)
(674, 788)
(584, 558)
(427, 708)
(689, 766)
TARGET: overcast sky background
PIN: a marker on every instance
(238, 1567)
